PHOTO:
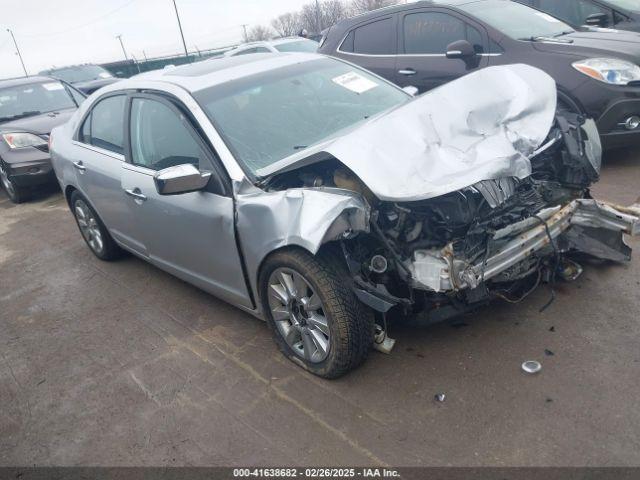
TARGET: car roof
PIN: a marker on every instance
(406, 6)
(265, 43)
(216, 71)
(13, 82)
(56, 69)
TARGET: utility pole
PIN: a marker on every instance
(119, 37)
(18, 51)
(318, 26)
(184, 44)
(246, 37)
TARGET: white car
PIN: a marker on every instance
(282, 45)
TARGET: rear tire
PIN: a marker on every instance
(317, 321)
(94, 232)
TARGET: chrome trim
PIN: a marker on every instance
(137, 195)
(339, 50)
(102, 151)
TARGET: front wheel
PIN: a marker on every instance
(16, 194)
(316, 319)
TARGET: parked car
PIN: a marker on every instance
(281, 45)
(29, 108)
(426, 44)
(618, 14)
(318, 196)
(86, 78)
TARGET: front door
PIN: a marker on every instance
(423, 39)
(190, 235)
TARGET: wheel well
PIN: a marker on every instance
(570, 102)
(68, 191)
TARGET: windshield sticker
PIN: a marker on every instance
(53, 86)
(548, 18)
(355, 82)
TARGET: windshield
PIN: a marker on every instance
(516, 20)
(33, 99)
(300, 46)
(85, 73)
(631, 5)
(272, 115)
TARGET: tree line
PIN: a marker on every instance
(313, 17)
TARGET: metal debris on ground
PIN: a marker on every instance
(440, 397)
(531, 366)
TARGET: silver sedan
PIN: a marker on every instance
(319, 197)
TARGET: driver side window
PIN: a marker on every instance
(160, 137)
(431, 33)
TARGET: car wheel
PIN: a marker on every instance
(93, 231)
(16, 194)
(316, 318)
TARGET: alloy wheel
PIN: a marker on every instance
(89, 226)
(299, 315)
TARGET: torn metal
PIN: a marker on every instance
(475, 191)
(307, 218)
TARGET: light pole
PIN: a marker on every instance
(319, 27)
(119, 37)
(246, 37)
(184, 44)
(18, 51)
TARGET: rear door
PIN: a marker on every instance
(191, 235)
(98, 160)
(424, 35)
(373, 45)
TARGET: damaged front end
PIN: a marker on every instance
(497, 238)
(486, 199)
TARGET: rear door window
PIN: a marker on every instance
(104, 127)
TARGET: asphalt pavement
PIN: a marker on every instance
(122, 364)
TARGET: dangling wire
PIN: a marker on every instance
(556, 266)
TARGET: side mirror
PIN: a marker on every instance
(460, 49)
(411, 90)
(180, 179)
(597, 20)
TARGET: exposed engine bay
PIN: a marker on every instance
(499, 238)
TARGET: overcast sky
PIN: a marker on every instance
(63, 32)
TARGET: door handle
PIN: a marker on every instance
(137, 194)
(407, 71)
(79, 166)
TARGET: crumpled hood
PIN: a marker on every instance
(480, 127)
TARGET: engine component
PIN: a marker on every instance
(378, 264)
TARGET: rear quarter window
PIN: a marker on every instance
(374, 38)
